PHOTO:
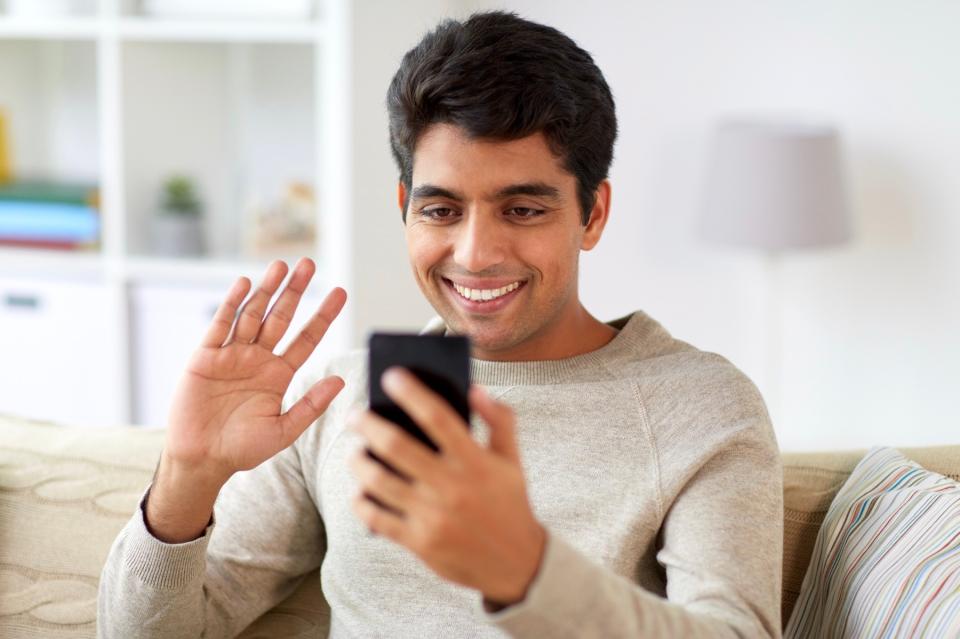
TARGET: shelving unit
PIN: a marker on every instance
(243, 105)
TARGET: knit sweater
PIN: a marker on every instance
(651, 464)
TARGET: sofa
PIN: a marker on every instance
(65, 493)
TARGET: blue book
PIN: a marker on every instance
(48, 221)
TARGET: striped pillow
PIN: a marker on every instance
(886, 562)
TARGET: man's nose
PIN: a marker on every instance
(479, 243)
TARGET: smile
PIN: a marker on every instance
(485, 294)
(484, 300)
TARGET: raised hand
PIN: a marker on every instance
(225, 415)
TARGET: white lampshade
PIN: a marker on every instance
(775, 185)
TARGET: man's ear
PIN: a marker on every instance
(401, 198)
(598, 216)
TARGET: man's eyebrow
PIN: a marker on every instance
(540, 189)
(431, 190)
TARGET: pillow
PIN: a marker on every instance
(886, 561)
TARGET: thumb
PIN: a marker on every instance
(501, 420)
(309, 408)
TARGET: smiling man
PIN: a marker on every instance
(617, 482)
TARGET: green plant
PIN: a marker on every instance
(179, 196)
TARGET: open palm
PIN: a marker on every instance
(225, 415)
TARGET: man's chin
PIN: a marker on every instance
(484, 337)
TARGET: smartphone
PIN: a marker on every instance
(441, 362)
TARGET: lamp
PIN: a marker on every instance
(774, 186)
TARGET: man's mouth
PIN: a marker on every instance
(484, 297)
(485, 294)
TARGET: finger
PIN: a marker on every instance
(281, 313)
(251, 314)
(396, 447)
(302, 346)
(309, 408)
(226, 314)
(389, 490)
(379, 521)
(430, 411)
(501, 420)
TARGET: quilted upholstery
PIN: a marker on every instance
(65, 493)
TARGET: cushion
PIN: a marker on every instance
(886, 561)
(810, 482)
(65, 493)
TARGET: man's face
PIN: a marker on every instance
(502, 220)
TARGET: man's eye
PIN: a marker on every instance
(438, 213)
(525, 213)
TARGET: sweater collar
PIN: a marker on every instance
(629, 343)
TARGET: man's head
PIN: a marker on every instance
(500, 77)
(503, 133)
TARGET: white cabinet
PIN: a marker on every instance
(59, 356)
(168, 322)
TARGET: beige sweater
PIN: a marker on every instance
(652, 465)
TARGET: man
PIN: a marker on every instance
(617, 482)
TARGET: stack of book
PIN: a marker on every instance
(46, 214)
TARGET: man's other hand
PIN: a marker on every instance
(464, 511)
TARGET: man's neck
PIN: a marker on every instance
(574, 335)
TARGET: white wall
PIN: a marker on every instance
(384, 294)
(869, 339)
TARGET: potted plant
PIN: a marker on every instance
(178, 224)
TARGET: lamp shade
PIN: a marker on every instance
(775, 185)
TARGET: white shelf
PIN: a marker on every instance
(194, 270)
(141, 29)
(61, 29)
(50, 262)
(165, 30)
(234, 102)
(135, 269)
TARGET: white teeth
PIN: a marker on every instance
(477, 295)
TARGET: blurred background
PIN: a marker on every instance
(151, 151)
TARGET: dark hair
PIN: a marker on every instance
(501, 77)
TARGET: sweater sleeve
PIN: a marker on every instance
(720, 545)
(265, 535)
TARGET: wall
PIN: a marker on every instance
(385, 295)
(868, 339)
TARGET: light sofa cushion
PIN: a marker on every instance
(65, 493)
(810, 482)
(886, 561)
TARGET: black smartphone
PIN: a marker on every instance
(441, 362)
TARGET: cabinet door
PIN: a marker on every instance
(168, 322)
(60, 351)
